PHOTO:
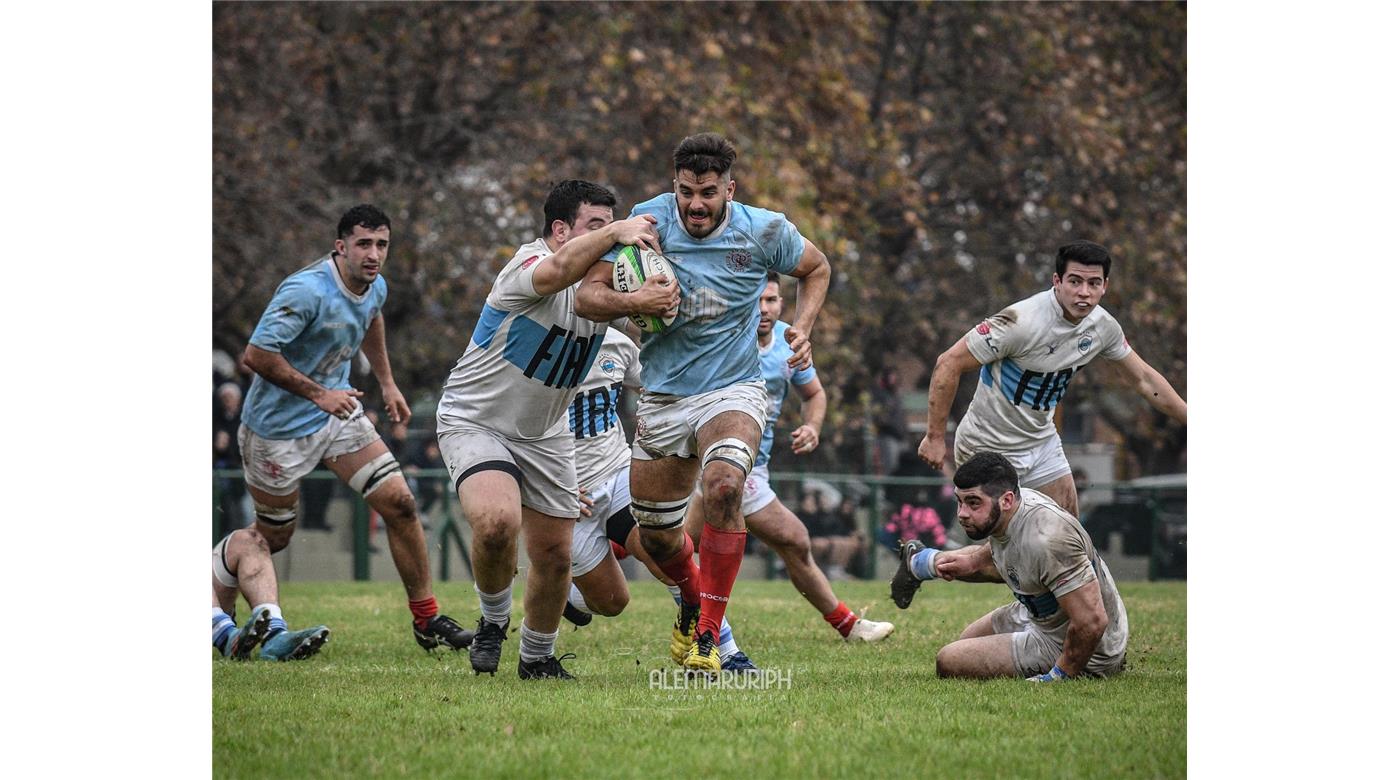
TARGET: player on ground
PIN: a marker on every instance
(1067, 619)
(301, 410)
(704, 404)
(501, 423)
(606, 531)
(1027, 354)
(766, 516)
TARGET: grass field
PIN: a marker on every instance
(373, 703)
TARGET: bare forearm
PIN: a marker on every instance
(275, 369)
(1083, 636)
(942, 386)
(811, 294)
(599, 302)
(1163, 397)
(974, 564)
(814, 411)
(377, 351)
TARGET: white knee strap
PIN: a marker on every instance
(221, 570)
(375, 474)
(732, 451)
(274, 515)
(659, 515)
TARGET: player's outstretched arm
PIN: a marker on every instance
(1087, 622)
(598, 301)
(1151, 385)
(376, 349)
(942, 386)
(968, 564)
(275, 369)
(813, 274)
(808, 435)
(567, 266)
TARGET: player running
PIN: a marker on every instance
(704, 404)
(501, 424)
(1028, 353)
(301, 410)
(764, 514)
(606, 531)
(1067, 620)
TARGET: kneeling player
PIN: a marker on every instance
(1067, 619)
(606, 530)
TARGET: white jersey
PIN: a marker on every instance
(1045, 554)
(526, 356)
(1029, 352)
(600, 446)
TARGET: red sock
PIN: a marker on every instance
(619, 552)
(842, 618)
(682, 571)
(721, 554)
(423, 610)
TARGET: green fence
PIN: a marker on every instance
(1150, 512)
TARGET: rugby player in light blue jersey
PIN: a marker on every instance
(703, 405)
(764, 514)
(300, 411)
(501, 422)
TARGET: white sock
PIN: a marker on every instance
(535, 645)
(576, 598)
(495, 607)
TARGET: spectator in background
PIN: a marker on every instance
(891, 426)
(228, 406)
(835, 540)
(916, 520)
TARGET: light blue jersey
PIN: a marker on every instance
(777, 375)
(713, 342)
(317, 324)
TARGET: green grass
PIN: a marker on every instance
(373, 703)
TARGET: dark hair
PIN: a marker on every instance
(563, 201)
(775, 278)
(363, 215)
(991, 472)
(1086, 252)
(704, 153)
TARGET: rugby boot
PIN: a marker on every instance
(240, 647)
(703, 657)
(683, 632)
(486, 646)
(903, 584)
(443, 630)
(738, 663)
(294, 645)
(869, 630)
(576, 616)
(545, 668)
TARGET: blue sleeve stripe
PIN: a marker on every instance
(488, 325)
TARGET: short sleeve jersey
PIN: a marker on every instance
(526, 356)
(1046, 554)
(1029, 352)
(777, 376)
(317, 325)
(713, 342)
(600, 446)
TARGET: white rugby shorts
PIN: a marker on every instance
(544, 468)
(1035, 652)
(1035, 467)
(276, 466)
(591, 546)
(667, 424)
(757, 492)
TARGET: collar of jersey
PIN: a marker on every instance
(335, 274)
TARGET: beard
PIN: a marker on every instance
(992, 520)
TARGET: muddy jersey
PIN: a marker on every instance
(713, 342)
(1029, 352)
(1045, 554)
(317, 325)
(526, 356)
(777, 376)
(600, 445)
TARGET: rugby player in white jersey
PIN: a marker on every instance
(1067, 619)
(703, 405)
(765, 515)
(1027, 354)
(606, 531)
(501, 424)
(301, 410)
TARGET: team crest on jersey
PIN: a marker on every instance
(529, 262)
(983, 329)
(1085, 343)
(738, 260)
(1012, 578)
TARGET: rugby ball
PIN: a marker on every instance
(635, 265)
